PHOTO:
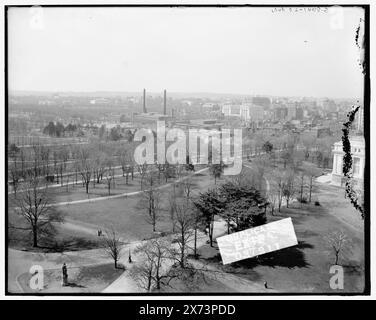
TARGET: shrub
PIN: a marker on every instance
(302, 200)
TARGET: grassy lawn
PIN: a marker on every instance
(93, 278)
(123, 214)
(305, 267)
(78, 192)
(60, 240)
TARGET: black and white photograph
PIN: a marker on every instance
(187, 150)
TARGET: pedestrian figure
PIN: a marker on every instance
(65, 274)
(130, 257)
(265, 285)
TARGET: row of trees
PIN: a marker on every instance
(305, 146)
(58, 130)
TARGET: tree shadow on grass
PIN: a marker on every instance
(292, 257)
(74, 285)
(353, 269)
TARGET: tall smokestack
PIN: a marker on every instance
(144, 102)
(164, 103)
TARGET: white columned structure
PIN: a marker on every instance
(358, 156)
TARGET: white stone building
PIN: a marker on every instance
(245, 111)
(358, 161)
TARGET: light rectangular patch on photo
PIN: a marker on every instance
(257, 241)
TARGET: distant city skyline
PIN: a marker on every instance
(228, 51)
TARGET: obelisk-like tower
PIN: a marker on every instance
(144, 102)
(164, 103)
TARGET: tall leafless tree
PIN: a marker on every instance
(152, 271)
(113, 245)
(338, 242)
(32, 202)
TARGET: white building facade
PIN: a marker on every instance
(246, 112)
(358, 161)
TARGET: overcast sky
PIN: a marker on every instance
(223, 50)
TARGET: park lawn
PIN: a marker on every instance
(59, 240)
(84, 279)
(305, 267)
(78, 192)
(123, 214)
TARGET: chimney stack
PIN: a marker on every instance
(164, 103)
(144, 102)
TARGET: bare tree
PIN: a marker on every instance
(301, 186)
(172, 202)
(85, 167)
(14, 176)
(339, 242)
(126, 163)
(216, 170)
(109, 175)
(142, 170)
(152, 271)
(188, 188)
(289, 187)
(113, 245)
(272, 196)
(312, 172)
(32, 202)
(278, 182)
(185, 220)
(36, 154)
(99, 166)
(151, 199)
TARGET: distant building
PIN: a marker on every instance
(291, 111)
(99, 101)
(262, 101)
(299, 113)
(280, 113)
(210, 108)
(358, 161)
(246, 112)
(329, 105)
(321, 131)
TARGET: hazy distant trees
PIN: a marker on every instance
(14, 176)
(54, 130)
(267, 147)
(115, 134)
(126, 161)
(102, 132)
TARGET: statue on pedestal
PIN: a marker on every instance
(65, 275)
